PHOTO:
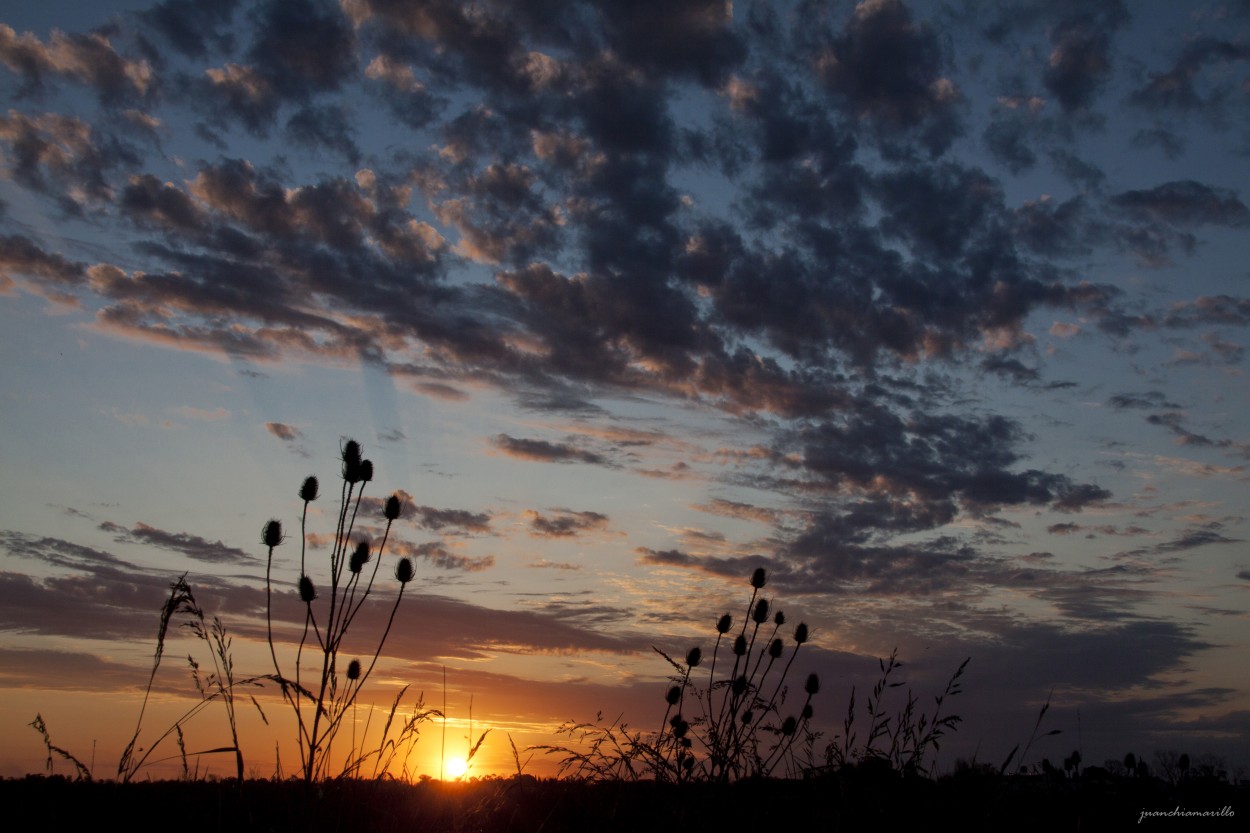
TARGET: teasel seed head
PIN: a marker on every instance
(740, 645)
(775, 648)
(779, 618)
(740, 684)
(673, 696)
(724, 623)
(272, 534)
(392, 508)
(761, 612)
(800, 633)
(680, 728)
(353, 670)
(306, 590)
(812, 685)
(808, 711)
(758, 578)
(694, 656)
(404, 571)
(688, 763)
(788, 726)
(308, 489)
(360, 557)
(747, 717)
(366, 470)
(351, 461)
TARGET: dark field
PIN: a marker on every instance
(850, 801)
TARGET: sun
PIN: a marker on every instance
(454, 767)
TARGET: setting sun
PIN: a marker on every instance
(454, 767)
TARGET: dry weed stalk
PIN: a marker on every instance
(731, 728)
(321, 706)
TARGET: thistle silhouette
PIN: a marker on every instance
(319, 694)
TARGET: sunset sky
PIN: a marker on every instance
(937, 311)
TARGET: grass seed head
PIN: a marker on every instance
(308, 490)
(272, 534)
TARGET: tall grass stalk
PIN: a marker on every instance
(901, 738)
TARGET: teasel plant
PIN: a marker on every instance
(721, 732)
(320, 690)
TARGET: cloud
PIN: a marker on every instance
(191, 27)
(888, 68)
(1080, 59)
(192, 546)
(439, 556)
(564, 523)
(90, 59)
(454, 520)
(545, 452)
(1176, 89)
(284, 432)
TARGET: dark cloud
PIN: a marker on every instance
(22, 257)
(1188, 540)
(1080, 59)
(1185, 203)
(90, 59)
(545, 452)
(454, 520)
(191, 27)
(192, 546)
(688, 38)
(889, 69)
(1168, 142)
(1180, 87)
(302, 47)
(441, 557)
(328, 127)
(564, 523)
(284, 432)
(1148, 399)
(1176, 423)
(1007, 139)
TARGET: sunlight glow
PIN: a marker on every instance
(454, 767)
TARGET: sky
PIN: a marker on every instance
(936, 311)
